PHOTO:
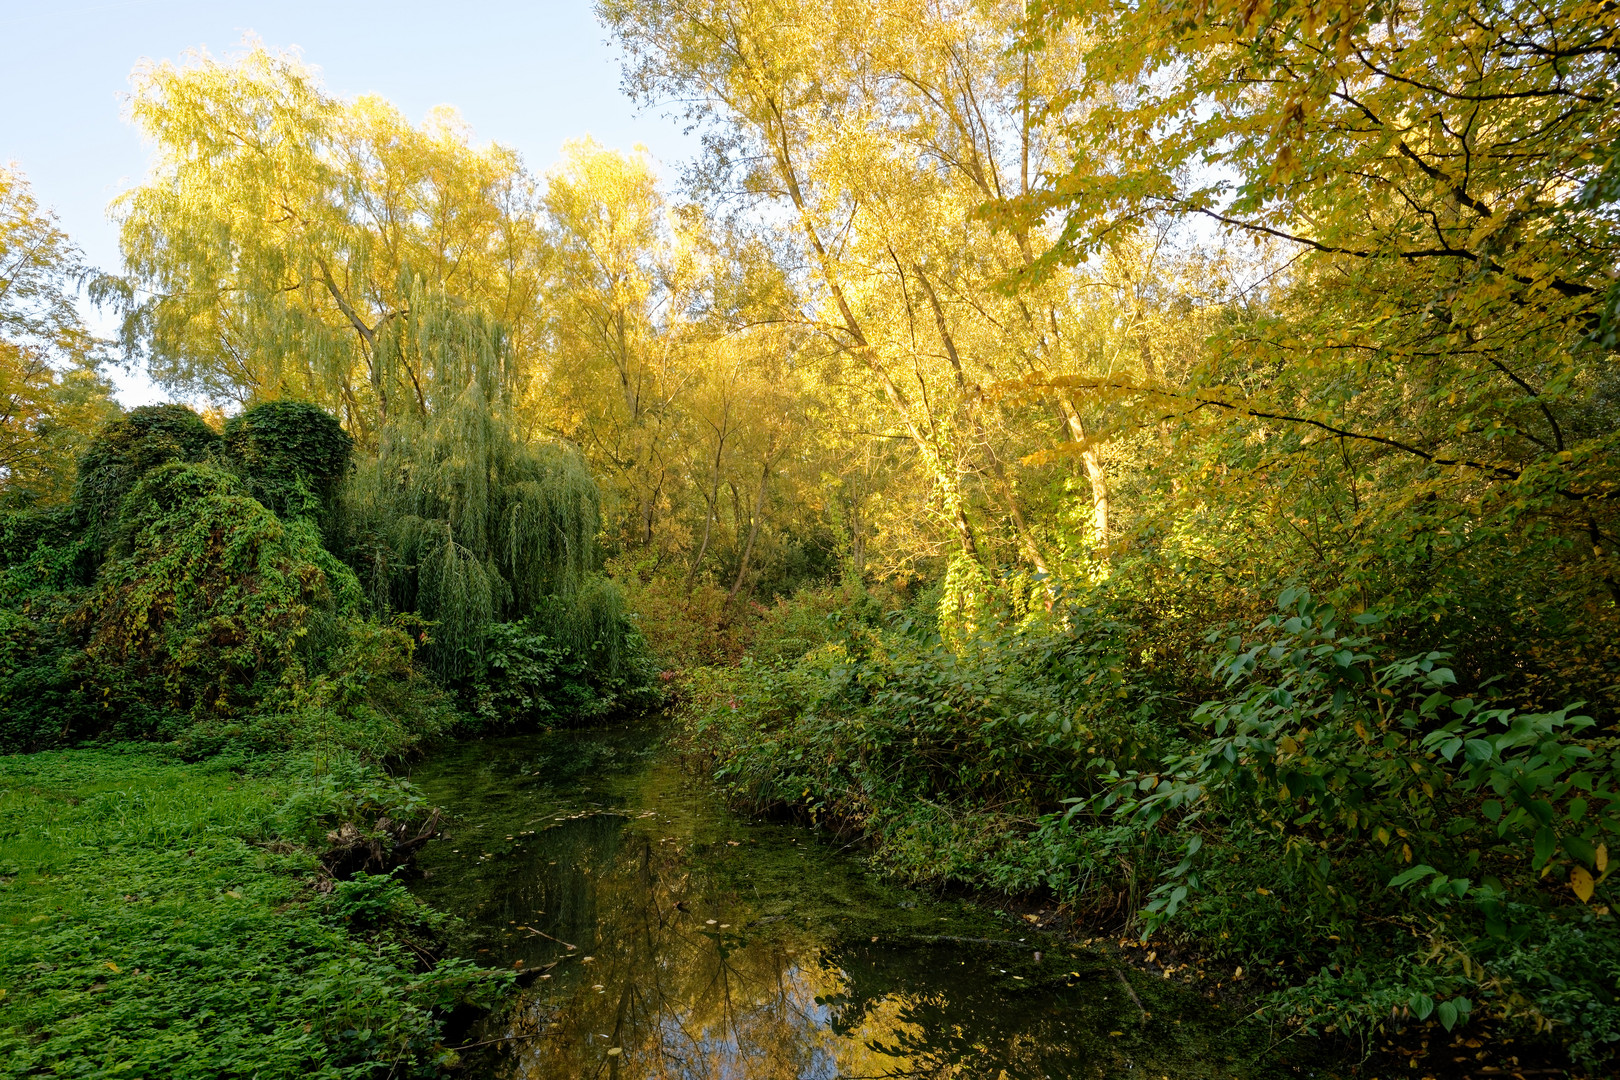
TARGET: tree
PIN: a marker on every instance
(1423, 399)
(879, 134)
(52, 396)
(283, 232)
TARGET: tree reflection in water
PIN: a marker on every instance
(708, 947)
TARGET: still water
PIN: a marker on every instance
(667, 937)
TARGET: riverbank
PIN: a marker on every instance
(1347, 840)
(661, 933)
(175, 919)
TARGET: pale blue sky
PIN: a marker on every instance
(527, 75)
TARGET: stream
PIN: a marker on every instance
(667, 937)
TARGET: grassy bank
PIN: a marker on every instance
(160, 918)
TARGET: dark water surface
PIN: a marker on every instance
(706, 946)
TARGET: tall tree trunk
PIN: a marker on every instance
(753, 529)
(708, 521)
(1096, 471)
(1003, 486)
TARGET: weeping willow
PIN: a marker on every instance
(459, 518)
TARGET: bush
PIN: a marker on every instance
(370, 700)
(291, 455)
(126, 449)
(216, 602)
(1419, 846)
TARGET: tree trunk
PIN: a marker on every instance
(1096, 472)
(753, 531)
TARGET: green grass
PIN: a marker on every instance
(155, 923)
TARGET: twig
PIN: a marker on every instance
(503, 1038)
(547, 936)
(1123, 981)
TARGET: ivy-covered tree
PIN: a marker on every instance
(292, 455)
(129, 447)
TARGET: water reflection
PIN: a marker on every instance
(668, 939)
(676, 974)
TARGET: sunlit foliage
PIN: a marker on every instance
(51, 394)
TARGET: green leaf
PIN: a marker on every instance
(1421, 1005)
(1546, 843)
(1448, 1015)
(1416, 873)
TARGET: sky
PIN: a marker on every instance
(527, 75)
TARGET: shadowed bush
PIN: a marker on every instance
(291, 455)
(213, 602)
(126, 449)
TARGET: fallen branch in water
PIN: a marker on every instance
(547, 936)
(503, 1038)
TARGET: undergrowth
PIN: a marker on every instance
(1298, 795)
(159, 918)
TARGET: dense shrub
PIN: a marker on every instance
(292, 456)
(126, 449)
(1418, 845)
(537, 672)
(213, 602)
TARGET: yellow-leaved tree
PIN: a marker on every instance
(282, 233)
(52, 397)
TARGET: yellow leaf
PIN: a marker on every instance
(1581, 882)
(1602, 860)
(112, 967)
